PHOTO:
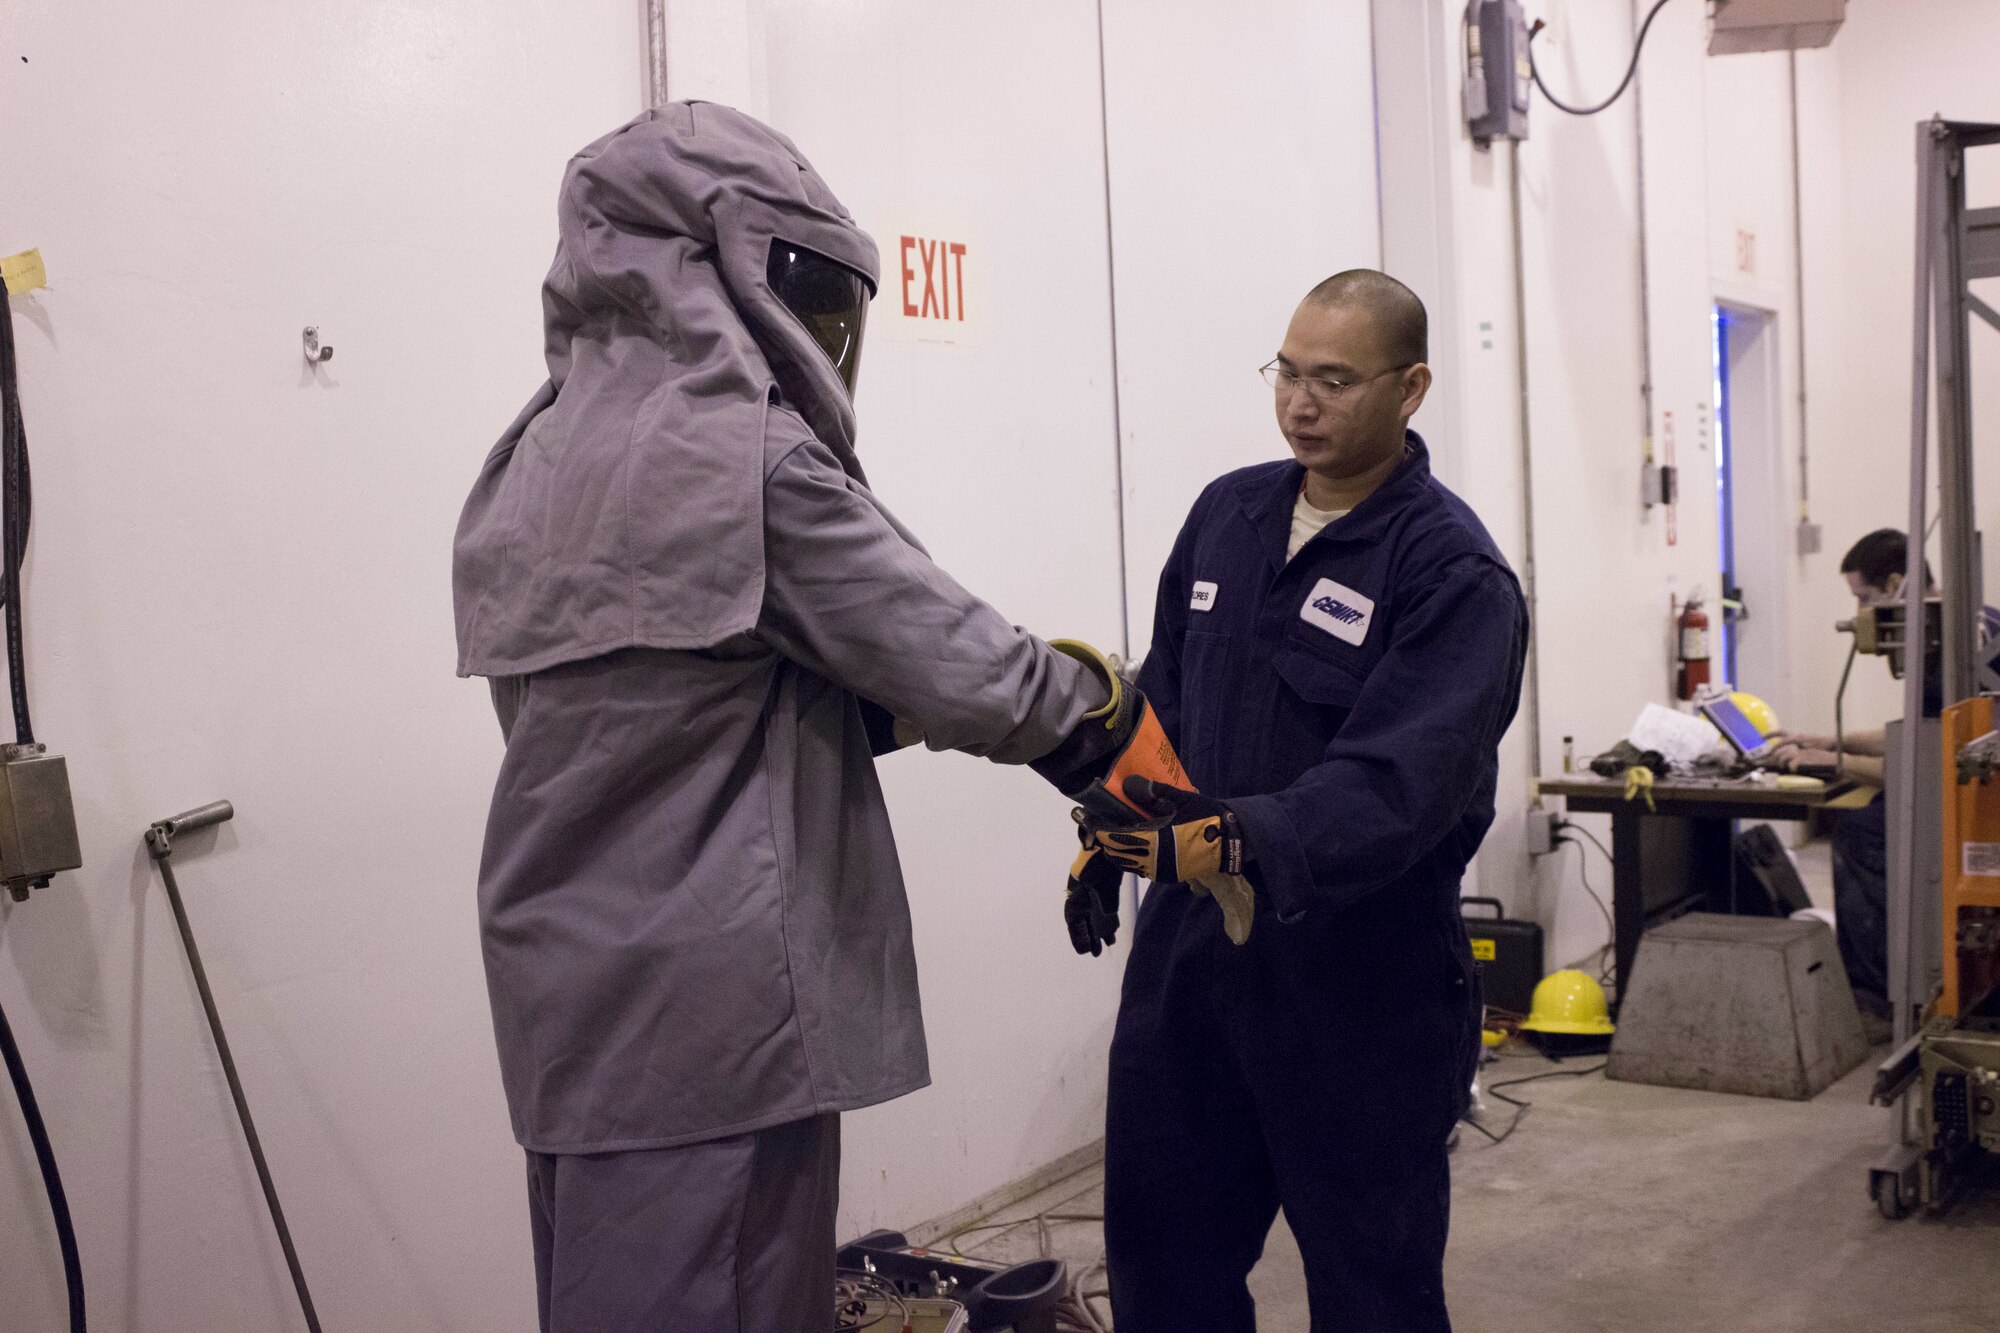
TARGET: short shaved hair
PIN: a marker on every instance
(1397, 312)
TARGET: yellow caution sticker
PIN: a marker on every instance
(1483, 950)
(24, 272)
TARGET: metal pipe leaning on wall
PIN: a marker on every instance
(160, 843)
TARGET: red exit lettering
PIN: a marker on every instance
(941, 292)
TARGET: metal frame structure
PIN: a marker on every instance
(1954, 246)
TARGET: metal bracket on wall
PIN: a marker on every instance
(1983, 310)
(316, 351)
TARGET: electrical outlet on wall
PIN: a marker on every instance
(1541, 831)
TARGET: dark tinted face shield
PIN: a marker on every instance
(829, 299)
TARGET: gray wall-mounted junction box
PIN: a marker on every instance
(37, 818)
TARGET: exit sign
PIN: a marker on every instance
(936, 282)
(933, 279)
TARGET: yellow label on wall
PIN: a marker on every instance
(1483, 950)
(24, 272)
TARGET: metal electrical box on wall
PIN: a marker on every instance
(1739, 27)
(1498, 76)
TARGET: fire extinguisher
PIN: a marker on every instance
(1693, 648)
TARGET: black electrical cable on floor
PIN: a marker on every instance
(1494, 1088)
(45, 1157)
(1583, 872)
(1624, 83)
(1521, 1106)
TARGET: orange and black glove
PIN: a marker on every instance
(1121, 740)
(1191, 838)
(1194, 840)
(1091, 905)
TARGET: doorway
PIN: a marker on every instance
(1752, 509)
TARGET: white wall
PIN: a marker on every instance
(1242, 172)
(1448, 232)
(239, 588)
(239, 576)
(1717, 160)
(1884, 73)
(238, 582)
(394, 252)
(1605, 570)
(999, 450)
(892, 102)
(1602, 570)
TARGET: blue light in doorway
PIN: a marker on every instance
(1725, 504)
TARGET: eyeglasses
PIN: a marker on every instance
(1325, 392)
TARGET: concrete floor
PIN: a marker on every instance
(1618, 1206)
(1624, 1207)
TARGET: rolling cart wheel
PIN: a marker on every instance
(1892, 1200)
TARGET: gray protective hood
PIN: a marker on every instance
(624, 506)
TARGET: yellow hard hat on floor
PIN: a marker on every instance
(1762, 716)
(1569, 1003)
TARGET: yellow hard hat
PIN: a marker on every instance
(1762, 716)
(1570, 1003)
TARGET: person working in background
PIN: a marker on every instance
(1337, 650)
(1874, 569)
(699, 623)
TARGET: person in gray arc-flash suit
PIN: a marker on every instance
(695, 615)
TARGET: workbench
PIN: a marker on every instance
(1676, 856)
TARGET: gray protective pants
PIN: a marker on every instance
(732, 1235)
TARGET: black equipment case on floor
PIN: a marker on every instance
(1509, 954)
(1767, 883)
(1022, 1298)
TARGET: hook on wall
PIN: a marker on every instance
(316, 352)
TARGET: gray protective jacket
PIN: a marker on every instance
(671, 566)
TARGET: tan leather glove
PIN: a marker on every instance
(1192, 840)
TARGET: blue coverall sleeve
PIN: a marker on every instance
(1410, 756)
(1160, 673)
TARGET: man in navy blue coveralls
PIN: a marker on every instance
(1336, 653)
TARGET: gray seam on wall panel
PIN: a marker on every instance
(656, 51)
(1117, 387)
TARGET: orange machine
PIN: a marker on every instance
(1971, 791)
(1951, 1065)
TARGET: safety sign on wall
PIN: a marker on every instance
(933, 289)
